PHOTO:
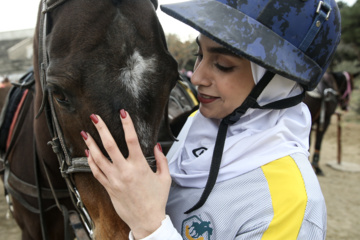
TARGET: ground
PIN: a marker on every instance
(340, 188)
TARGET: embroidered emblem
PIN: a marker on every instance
(198, 151)
(193, 228)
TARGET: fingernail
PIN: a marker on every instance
(87, 153)
(159, 147)
(94, 118)
(123, 113)
(84, 135)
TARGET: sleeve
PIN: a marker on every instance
(165, 231)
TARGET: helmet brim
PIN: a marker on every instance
(248, 38)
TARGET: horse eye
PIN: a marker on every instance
(60, 98)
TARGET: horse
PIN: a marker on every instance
(333, 90)
(90, 56)
(5, 86)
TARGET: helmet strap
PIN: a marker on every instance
(322, 14)
(249, 102)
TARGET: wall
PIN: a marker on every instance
(15, 52)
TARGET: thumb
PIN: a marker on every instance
(161, 161)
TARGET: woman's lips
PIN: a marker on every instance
(206, 98)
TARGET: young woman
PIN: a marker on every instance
(240, 169)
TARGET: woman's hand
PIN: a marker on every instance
(138, 194)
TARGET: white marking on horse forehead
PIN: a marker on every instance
(134, 74)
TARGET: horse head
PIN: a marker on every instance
(103, 56)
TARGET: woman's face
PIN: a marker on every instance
(223, 79)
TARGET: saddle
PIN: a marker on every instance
(323, 86)
(14, 102)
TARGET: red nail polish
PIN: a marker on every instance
(123, 113)
(94, 118)
(87, 153)
(159, 147)
(84, 135)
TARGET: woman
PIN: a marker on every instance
(240, 169)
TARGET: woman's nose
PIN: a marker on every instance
(201, 75)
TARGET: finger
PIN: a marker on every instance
(131, 138)
(96, 171)
(98, 157)
(107, 139)
(162, 166)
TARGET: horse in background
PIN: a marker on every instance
(90, 56)
(5, 86)
(333, 90)
(5, 82)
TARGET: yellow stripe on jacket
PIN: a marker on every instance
(289, 198)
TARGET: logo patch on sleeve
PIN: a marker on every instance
(193, 228)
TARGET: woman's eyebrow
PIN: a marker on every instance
(222, 50)
(219, 50)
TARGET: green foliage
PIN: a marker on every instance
(350, 24)
(347, 56)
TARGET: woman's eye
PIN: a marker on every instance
(198, 55)
(223, 68)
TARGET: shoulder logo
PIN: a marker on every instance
(193, 228)
(198, 151)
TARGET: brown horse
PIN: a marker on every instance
(333, 90)
(90, 56)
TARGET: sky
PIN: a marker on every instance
(21, 14)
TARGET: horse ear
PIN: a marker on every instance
(155, 3)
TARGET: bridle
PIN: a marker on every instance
(346, 95)
(68, 164)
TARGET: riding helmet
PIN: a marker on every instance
(293, 38)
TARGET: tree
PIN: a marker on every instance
(347, 55)
(350, 25)
(183, 52)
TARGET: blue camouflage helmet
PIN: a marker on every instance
(293, 38)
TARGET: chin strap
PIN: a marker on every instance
(249, 102)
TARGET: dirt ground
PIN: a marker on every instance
(340, 188)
